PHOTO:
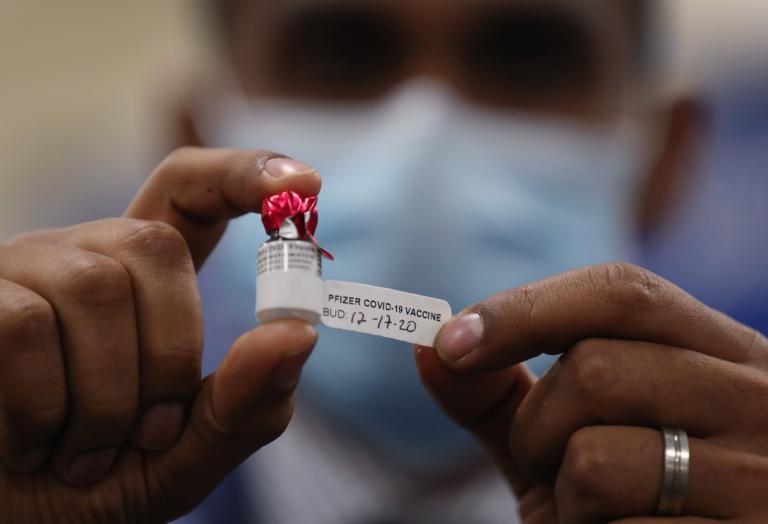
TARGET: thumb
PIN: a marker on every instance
(483, 403)
(245, 405)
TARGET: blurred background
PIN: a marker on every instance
(81, 87)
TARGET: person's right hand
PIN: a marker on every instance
(103, 416)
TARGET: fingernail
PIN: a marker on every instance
(90, 467)
(288, 372)
(459, 337)
(161, 425)
(285, 167)
(30, 462)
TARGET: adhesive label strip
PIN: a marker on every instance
(383, 312)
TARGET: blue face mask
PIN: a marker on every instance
(426, 194)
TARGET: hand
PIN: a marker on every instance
(103, 416)
(582, 445)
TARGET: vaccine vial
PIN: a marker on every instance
(289, 281)
(289, 277)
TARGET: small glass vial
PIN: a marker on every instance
(289, 281)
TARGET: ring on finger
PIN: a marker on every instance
(675, 473)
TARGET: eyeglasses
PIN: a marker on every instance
(496, 55)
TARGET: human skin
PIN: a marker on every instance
(104, 416)
(582, 444)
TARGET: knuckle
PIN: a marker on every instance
(20, 239)
(753, 412)
(172, 162)
(587, 460)
(527, 302)
(96, 280)
(31, 237)
(25, 317)
(756, 343)
(627, 286)
(154, 239)
(175, 157)
(588, 368)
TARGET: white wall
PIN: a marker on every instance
(713, 37)
(78, 82)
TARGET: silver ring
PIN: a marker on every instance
(677, 457)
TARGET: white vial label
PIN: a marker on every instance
(384, 312)
(289, 256)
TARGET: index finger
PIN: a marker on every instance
(197, 191)
(618, 301)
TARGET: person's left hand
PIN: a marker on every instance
(582, 445)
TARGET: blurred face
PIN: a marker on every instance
(563, 57)
(449, 196)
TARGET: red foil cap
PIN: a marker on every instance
(289, 205)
